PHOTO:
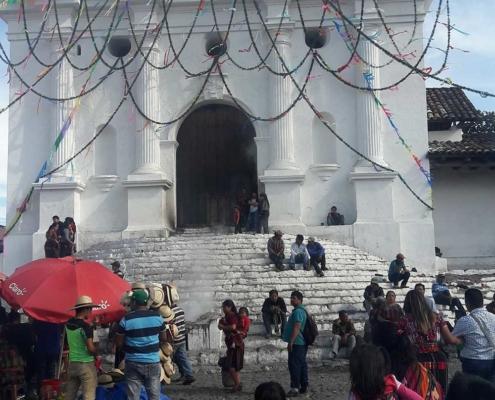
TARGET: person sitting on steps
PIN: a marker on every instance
(316, 256)
(274, 311)
(276, 247)
(371, 293)
(344, 334)
(299, 253)
(398, 272)
(442, 296)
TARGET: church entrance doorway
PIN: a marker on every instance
(216, 165)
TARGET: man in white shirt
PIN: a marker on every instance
(299, 253)
(478, 333)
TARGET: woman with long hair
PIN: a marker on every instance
(234, 360)
(371, 378)
(423, 327)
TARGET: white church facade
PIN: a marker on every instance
(139, 178)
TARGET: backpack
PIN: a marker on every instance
(310, 331)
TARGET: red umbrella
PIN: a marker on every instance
(47, 289)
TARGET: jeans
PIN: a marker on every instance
(81, 374)
(445, 299)
(314, 261)
(139, 374)
(396, 277)
(336, 344)
(298, 367)
(252, 223)
(301, 258)
(46, 366)
(277, 260)
(483, 368)
(182, 361)
(263, 222)
(273, 318)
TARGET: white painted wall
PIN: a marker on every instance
(104, 212)
(464, 216)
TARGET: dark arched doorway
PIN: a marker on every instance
(216, 160)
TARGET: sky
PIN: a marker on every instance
(473, 69)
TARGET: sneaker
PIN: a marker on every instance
(303, 390)
(188, 380)
(321, 274)
(293, 392)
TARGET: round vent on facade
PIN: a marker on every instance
(316, 38)
(119, 46)
(216, 46)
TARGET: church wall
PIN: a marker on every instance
(465, 216)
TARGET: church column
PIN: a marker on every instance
(281, 92)
(369, 115)
(64, 89)
(147, 99)
(146, 185)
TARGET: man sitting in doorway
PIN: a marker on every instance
(299, 253)
(274, 312)
(316, 256)
(276, 247)
(442, 296)
(334, 218)
(398, 272)
(344, 334)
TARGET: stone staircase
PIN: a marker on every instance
(208, 267)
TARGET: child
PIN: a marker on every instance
(244, 322)
(237, 220)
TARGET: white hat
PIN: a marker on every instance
(84, 302)
(156, 296)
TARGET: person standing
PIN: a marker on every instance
(52, 245)
(274, 312)
(296, 346)
(46, 349)
(276, 248)
(237, 220)
(252, 224)
(478, 333)
(180, 349)
(344, 334)
(423, 328)
(140, 333)
(82, 352)
(116, 269)
(398, 272)
(234, 361)
(264, 213)
(316, 256)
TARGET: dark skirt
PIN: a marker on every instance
(436, 363)
(235, 358)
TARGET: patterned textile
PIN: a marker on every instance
(426, 343)
(180, 322)
(476, 344)
(423, 382)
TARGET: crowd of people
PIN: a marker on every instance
(61, 238)
(251, 214)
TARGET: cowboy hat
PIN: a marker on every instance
(164, 377)
(171, 295)
(168, 367)
(166, 313)
(84, 302)
(375, 280)
(116, 374)
(174, 330)
(156, 296)
(163, 357)
(167, 349)
(138, 286)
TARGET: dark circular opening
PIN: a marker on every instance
(216, 46)
(316, 38)
(119, 46)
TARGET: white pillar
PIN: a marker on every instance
(282, 135)
(65, 150)
(368, 113)
(146, 96)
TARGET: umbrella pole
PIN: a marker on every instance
(62, 345)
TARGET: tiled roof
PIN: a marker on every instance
(478, 140)
(449, 104)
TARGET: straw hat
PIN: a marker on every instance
(168, 367)
(174, 330)
(116, 374)
(84, 302)
(163, 377)
(167, 314)
(171, 295)
(167, 349)
(106, 381)
(163, 357)
(375, 280)
(156, 296)
(138, 286)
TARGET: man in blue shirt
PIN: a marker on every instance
(296, 346)
(140, 333)
(316, 256)
(398, 272)
(442, 296)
